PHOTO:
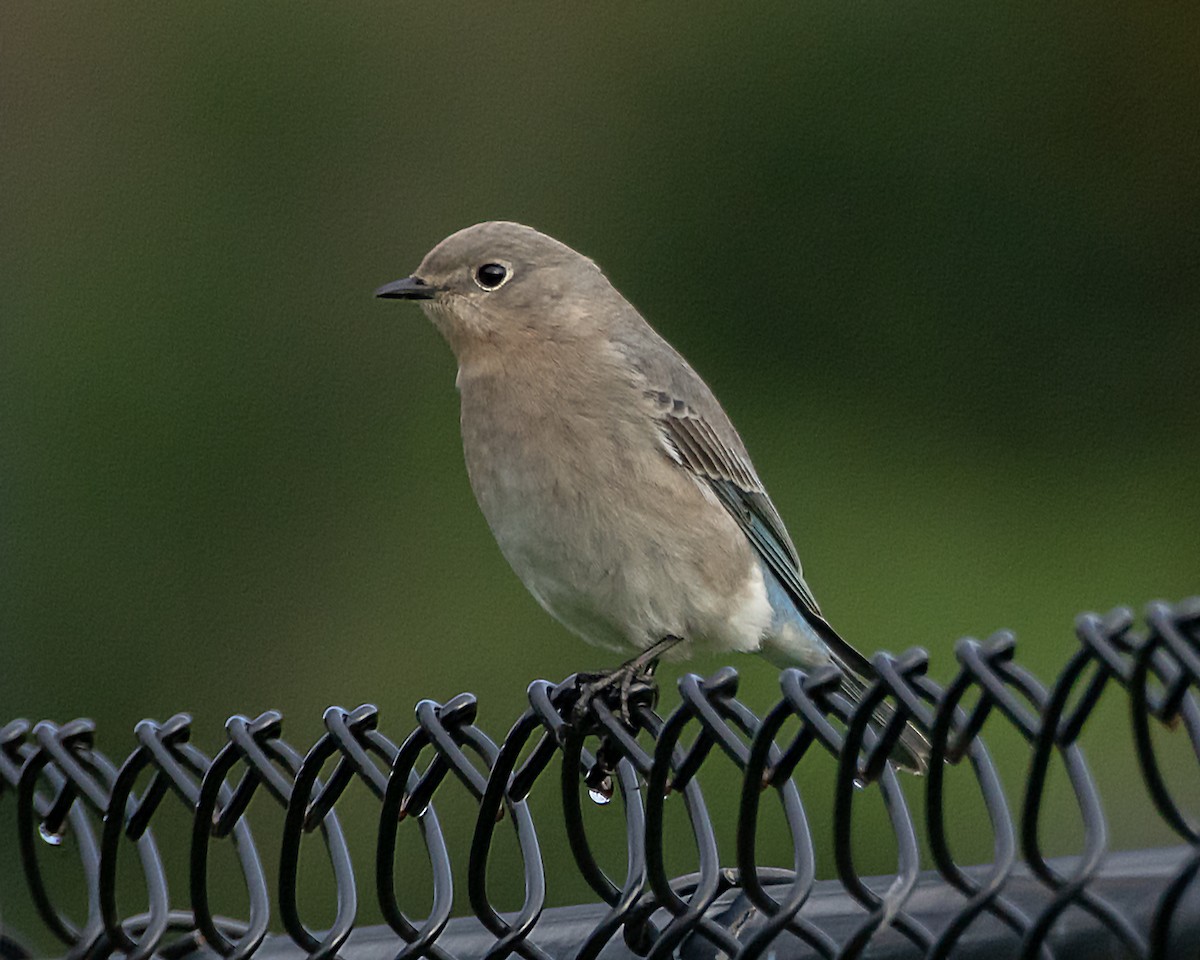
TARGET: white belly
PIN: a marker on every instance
(618, 570)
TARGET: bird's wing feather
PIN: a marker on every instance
(732, 478)
(701, 439)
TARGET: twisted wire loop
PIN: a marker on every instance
(1145, 904)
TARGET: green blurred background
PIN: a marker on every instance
(939, 261)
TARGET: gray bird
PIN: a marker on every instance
(614, 483)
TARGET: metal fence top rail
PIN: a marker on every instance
(1022, 904)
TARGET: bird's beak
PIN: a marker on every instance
(410, 288)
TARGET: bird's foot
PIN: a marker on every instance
(622, 689)
(631, 684)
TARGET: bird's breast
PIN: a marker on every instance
(612, 537)
(547, 466)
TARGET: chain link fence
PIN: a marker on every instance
(1021, 904)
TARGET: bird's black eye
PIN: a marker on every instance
(491, 275)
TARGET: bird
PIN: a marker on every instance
(615, 485)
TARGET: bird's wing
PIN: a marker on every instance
(731, 477)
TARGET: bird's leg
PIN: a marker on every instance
(632, 676)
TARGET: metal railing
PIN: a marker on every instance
(1023, 903)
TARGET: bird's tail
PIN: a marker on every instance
(912, 750)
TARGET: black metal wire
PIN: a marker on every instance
(1021, 904)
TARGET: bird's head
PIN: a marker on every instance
(503, 283)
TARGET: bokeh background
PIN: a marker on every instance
(939, 261)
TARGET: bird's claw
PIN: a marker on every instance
(622, 690)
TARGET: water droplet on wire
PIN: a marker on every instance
(601, 791)
(52, 838)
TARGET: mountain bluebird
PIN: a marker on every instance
(614, 483)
